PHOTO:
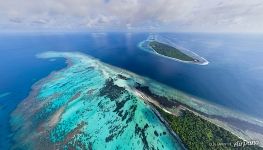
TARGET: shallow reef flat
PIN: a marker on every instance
(92, 105)
(87, 105)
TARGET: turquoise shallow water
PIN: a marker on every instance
(233, 78)
(92, 105)
(87, 105)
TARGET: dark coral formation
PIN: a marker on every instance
(164, 101)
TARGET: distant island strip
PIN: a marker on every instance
(169, 51)
(164, 49)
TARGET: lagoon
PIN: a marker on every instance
(232, 79)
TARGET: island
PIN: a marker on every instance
(192, 129)
(198, 133)
(93, 105)
(169, 51)
(164, 48)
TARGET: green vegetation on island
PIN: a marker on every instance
(197, 133)
(169, 51)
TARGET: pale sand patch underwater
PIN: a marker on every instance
(4, 94)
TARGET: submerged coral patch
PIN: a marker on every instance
(88, 105)
(92, 105)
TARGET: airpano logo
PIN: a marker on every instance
(246, 143)
(236, 144)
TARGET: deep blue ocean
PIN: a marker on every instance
(233, 78)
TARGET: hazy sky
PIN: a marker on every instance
(133, 15)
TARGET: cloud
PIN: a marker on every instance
(162, 15)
